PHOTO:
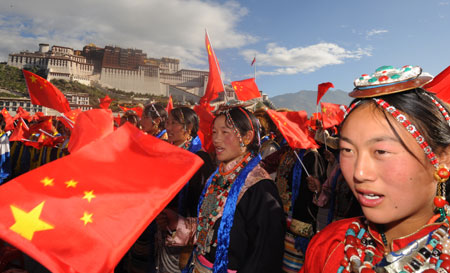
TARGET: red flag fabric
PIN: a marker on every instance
(42, 92)
(293, 126)
(45, 124)
(322, 89)
(9, 121)
(91, 125)
(136, 109)
(105, 102)
(22, 113)
(204, 128)
(215, 84)
(253, 62)
(69, 118)
(246, 89)
(20, 132)
(169, 105)
(332, 114)
(86, 217)
(441, 85)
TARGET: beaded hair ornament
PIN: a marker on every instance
(225, 110)
(388, 80)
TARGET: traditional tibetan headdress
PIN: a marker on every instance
(389, 80)
(225, 110)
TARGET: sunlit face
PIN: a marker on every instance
(225, 141)
(149, 125)
(389, 182)
(175, 131)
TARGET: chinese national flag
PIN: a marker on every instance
(82, 212)
(332, 114)
(253, 62)
(69, 118)
(293, 126)
(215, 84)
(169, 105)
(204, 128)
(136, 109)
(105, 102)
(20, 132)
(44, 124)
(246, 89)
(91, 125)
(322, 89)
(22, 113)
(9, 121)
(42, 92)
(440, 85)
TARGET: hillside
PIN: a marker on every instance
(12, 84)
(306, 100)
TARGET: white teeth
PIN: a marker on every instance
(371, 196)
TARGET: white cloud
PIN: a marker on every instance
(302, 59)
(173, 28)
(375, 32)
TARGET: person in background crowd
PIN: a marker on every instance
(240, 225)
(153, 120)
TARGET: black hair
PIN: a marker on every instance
(132, 117)
(244, 121)
(149, 111)
(422, 113)
(186, 116)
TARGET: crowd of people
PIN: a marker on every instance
(371, 198)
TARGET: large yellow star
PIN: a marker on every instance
(47, 181)
(33, 79)
(87, 218)
(89, 195)
(27, 223)
(71, 183)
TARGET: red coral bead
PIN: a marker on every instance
(383, 78)
(344, 263)
(443, 173)
(439, 246)
(351, 252)
(445, 265)
(350, 240)
(444, 257)
(429, 271)
(439, 202)
(367, 270)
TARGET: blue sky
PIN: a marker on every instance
(298, 44)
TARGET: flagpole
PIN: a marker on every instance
(254, 75)
(304, 168)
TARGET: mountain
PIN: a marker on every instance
(306, 100)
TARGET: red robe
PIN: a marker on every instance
(326, 250)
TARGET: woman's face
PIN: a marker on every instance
(175, 131)
(149, 125)
(389, 182)
(225, 141)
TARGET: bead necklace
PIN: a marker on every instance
(360, 249)
(214, 202)
(185, 145)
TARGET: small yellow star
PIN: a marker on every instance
(87, 218)
(27, 223)
(324, 109)
(33, 79)
(71, 183)
(47, 181)
(89, 195)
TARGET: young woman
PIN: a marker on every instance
(240, 225)
(394, 149)
(153, 120)
(182, 126)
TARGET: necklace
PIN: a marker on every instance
(213, 203)
(428, 254)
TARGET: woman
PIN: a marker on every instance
(153, 120)
(240, 226)
(394, 146)
(182, 126)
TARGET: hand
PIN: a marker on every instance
(329, 156)
(313, 184)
